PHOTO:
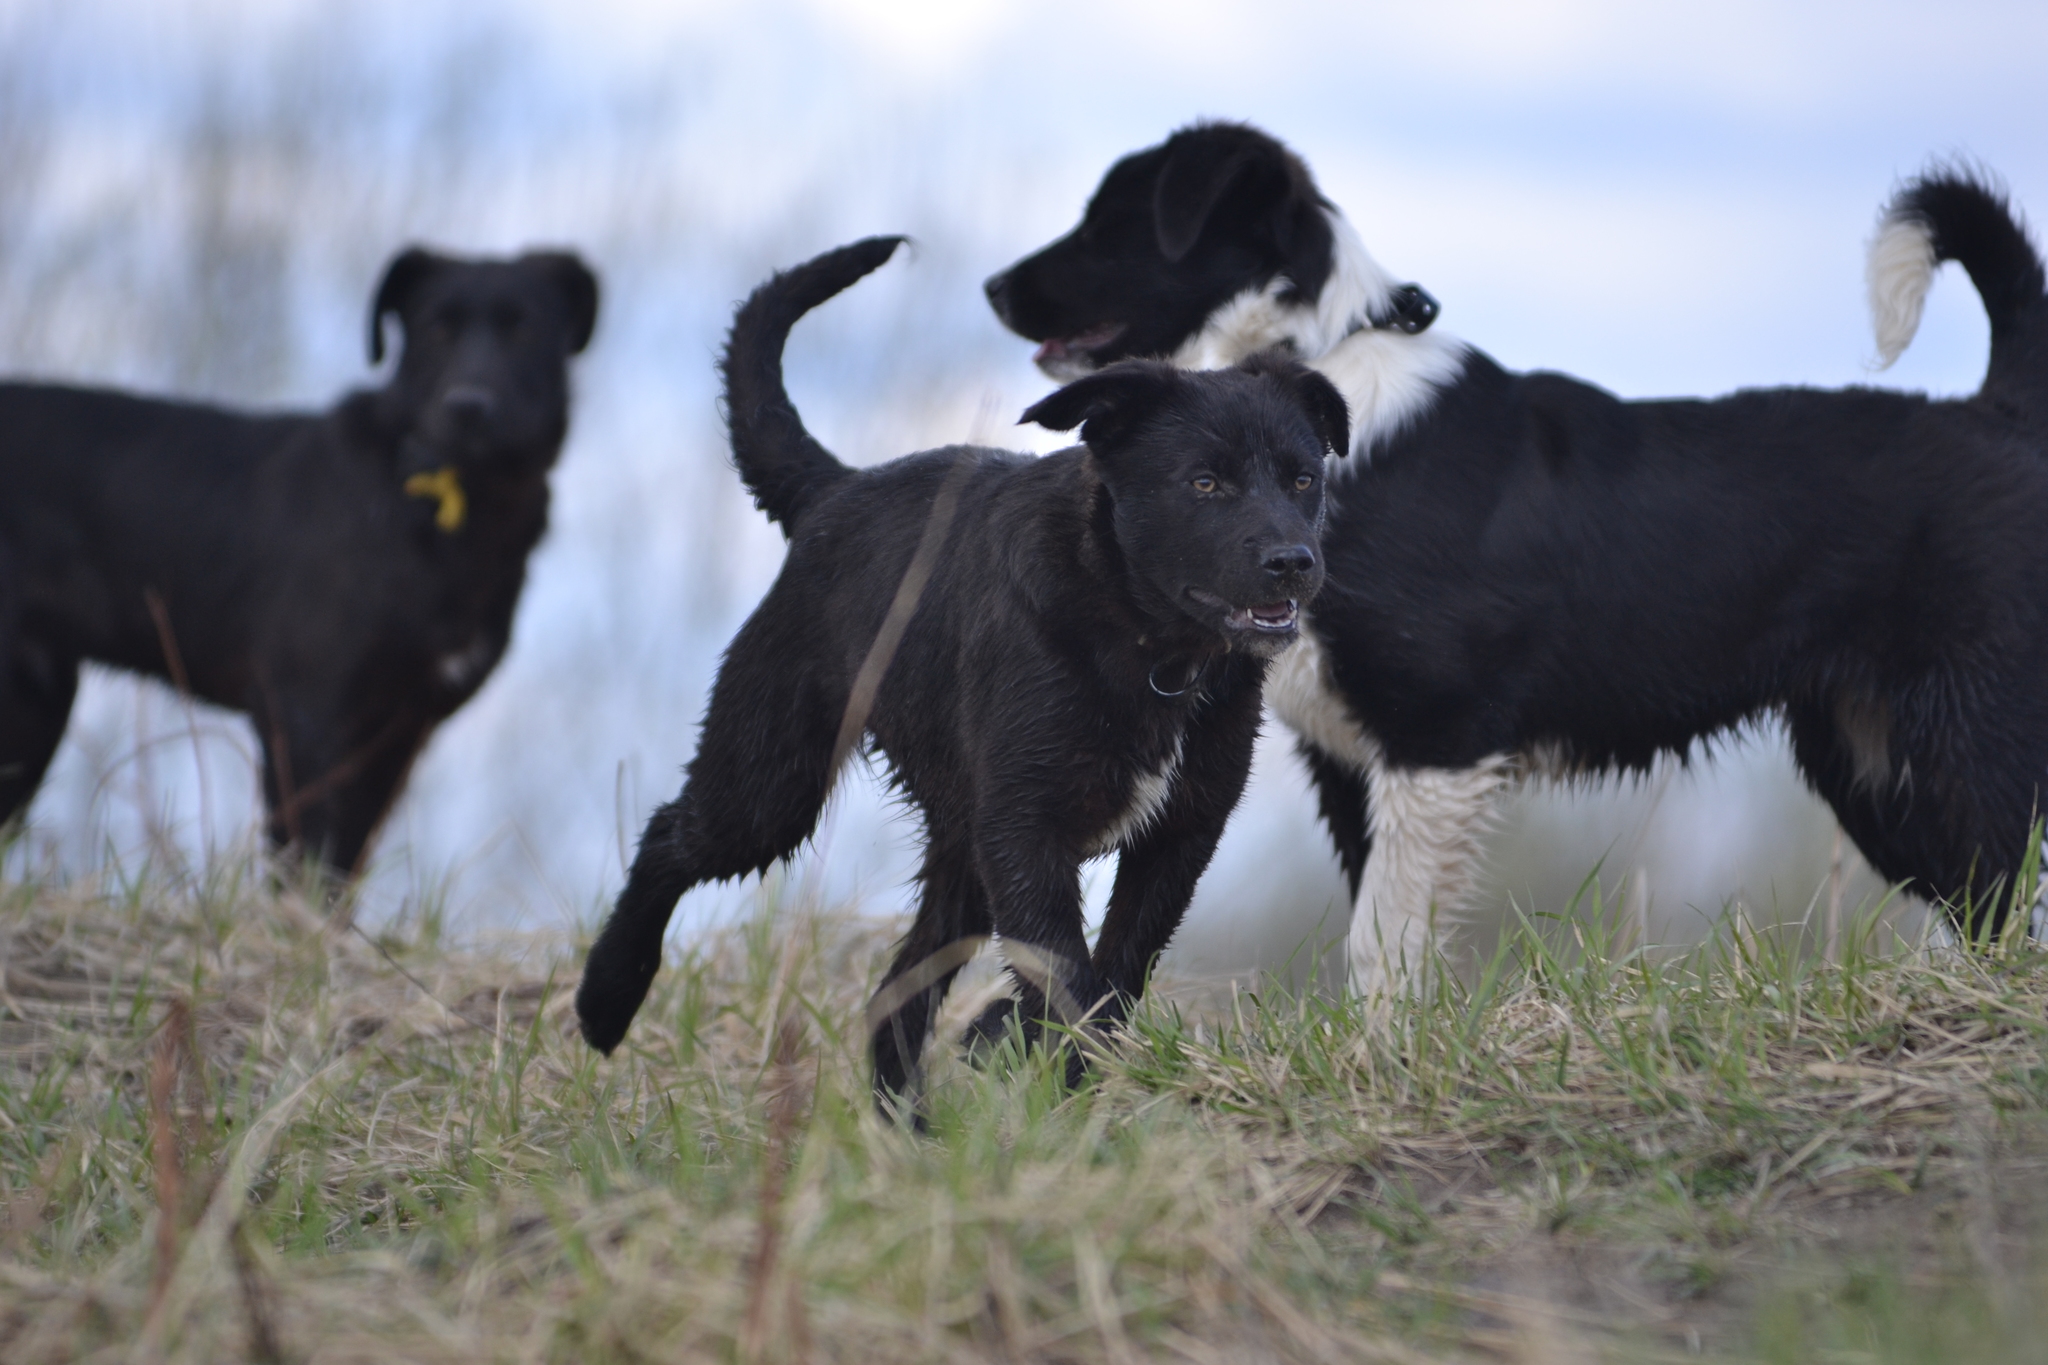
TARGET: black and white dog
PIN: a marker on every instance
(347, 578)
(1529, 575)
(1058, 657)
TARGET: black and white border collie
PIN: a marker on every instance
(1528, 575)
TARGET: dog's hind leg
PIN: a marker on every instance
(1427, 825)
(952, 919)
(753, 794)
(1927, 805)
(37, 686)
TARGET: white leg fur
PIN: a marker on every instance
(1427, 824)
(1899, 270)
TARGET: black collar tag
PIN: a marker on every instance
(1413, 308)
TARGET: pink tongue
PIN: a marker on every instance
(1059, 348)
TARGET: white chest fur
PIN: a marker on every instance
(1299, 690)
(1148, 799)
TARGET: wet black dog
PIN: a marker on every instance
(1529, 574)
(346, 578)
(1058, 657)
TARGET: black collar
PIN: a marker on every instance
(1411, 309)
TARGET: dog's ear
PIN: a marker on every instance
(1266, 185)
(1106, 404)
(579, 289)
(1327, 412)
(406, 273)
(1190, 185)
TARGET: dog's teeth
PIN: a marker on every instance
(1274, 615)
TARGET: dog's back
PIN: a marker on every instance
(1533, 565)
(111, 497)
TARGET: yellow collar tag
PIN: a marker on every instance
(445, 484)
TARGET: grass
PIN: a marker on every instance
(231, 1131)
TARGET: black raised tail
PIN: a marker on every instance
(782, 464)
(1953, 214)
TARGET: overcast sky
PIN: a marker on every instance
(1661, 199)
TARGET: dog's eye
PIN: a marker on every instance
(1304, 482)
(1205, 483)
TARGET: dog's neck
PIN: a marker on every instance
(1389, 379)
(1387, 376)
(503, 501)
(1141, 639)
(1357, 291)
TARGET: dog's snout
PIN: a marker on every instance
(1290, 559)
(469, 403)
(997, 287)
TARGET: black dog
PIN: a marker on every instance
(1058, 657)
(1527, 573)
(346, 578)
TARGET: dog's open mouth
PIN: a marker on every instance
(1077, 349)
(1273, 616)
(1263, 618)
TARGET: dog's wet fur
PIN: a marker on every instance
(1073, 666)
(1527, 573)
(278, 564)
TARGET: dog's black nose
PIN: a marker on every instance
(1290, 559)
(469, 404)
(997, 287)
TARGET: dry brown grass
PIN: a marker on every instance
(399, 1150)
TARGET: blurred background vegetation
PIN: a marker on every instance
(196, 197)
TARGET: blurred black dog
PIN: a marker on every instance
(346, 578)
(1528, 574)
(1059, 657)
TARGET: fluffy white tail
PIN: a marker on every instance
(1899, 270)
